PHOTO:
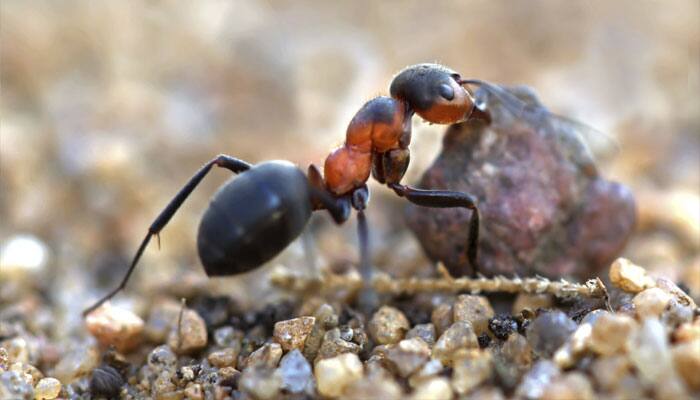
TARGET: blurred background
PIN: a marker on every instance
(107, 108)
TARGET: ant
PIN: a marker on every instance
(253, 217)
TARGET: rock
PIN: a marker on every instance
(423, 331)
(260, 382)
(224, 358)
(429, 370)
(4, 360)
(441, 318)
(686, 358)
(191, 335)
(76, 363)
(334, 345)
(388, 325)
(194, 391)
(535, 382)
(437, 388)
(572, 385)
(502, 326)
(629, 277)
(512, 359)
(408, 356)
(460, 337)
(160, 358)
(267, 356)
(291, 334)
(296, 373)
(106, 381)
(687, 332)
(376, 385)
(22, 258)
(610, 334)
(13, 386)
(651, 302)
(113, 326)
(16, 350)
(228, 336)
(474, 309)
(333, 375)
(162, 318)
(47, 389)
(575, 347)
(609, 371)
(549, 331)
(543, 206)
(531, 302)
(326, 319)
(471, 370)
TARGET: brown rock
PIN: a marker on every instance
(629, 277)
(268, 356)
(224, 358)
(333, 375)
(117, 327)
(650, 302)
(686, 358)
(326, 319)
(334, 345)
(609, 371)
(191, 334)
(475, 310)
(688, 331)
(455, 342)
(376, 385)
(471, 371)
(423, 331)
(436, 388)
(388, 325)
(572, 386)
(291, 334)
(442, 318)
(407, 356)
(611, 333)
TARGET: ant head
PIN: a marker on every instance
(434, 92)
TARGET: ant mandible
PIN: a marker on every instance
(253, 217)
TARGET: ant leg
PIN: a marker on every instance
(223, 161)
(368, 299)
(447, 199)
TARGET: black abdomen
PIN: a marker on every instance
(253, 217)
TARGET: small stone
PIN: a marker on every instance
(161, 320)
(549, 331)
(194, 391)
(267, 356)
(512, 359)
(228, 336)
(28, 371)
(22, 258)
(537, 379)
(333, 375)
(531, 302)
(262, 383)
(16, 349)
(610, 334)
(296, 373)
(224, 358)
(573, 385)
(388, 325)
(471, 371)
(442, 318)
(474, 309)
(457, 339)
(75, 364)
(13, 386)
(429, 370)
(502, 326)
(437, 388)
(423, 331)
(376, 385)
(408, 356)
(651, 302)
(190, 336)
(609, 371)
(161, 358)
(650, 354)
(326, 319)
(686, 358)
(334, 345)
(484, 340)
(629, 277)
(47, 388)
(106, 381)
(4, 360)
(114, 326)
(570, 353)
(687, 332)
(292, 333)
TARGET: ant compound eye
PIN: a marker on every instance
(447, 91)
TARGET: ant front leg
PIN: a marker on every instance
(367, 298)
(447, 199)
(223, 161)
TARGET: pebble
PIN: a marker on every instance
(537, 379)
(16, 350)
(292, 333)
(429, 370)
(441, 318)
(13, 386)
(296, 373)
(650, 354)
(161, 320)
(686, 357)
(194, 391)
(47, 388)
(408, 356)
(531, 302)
(334, 345)
(224, 358)
(388, 325)
(114, 326)
(512, 359)
(629, 277)
(549, 331)
(570, 353)
(333, 375)
(686, 332)
(228, 336)
(30, 373)
(162, 357)
(474, 309)
(191, 335)
(423, 331)
(502, 326)
(437, 388)
(106, 381)
(456, 339)
(22, 257)
(650, 302)
(609, 371)
(574, 386)
(375, 385)
(76, 363)
(326, 319)
(267, 356)
(4, 360)
(471, 370)
(610, 334)
(260, 382)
